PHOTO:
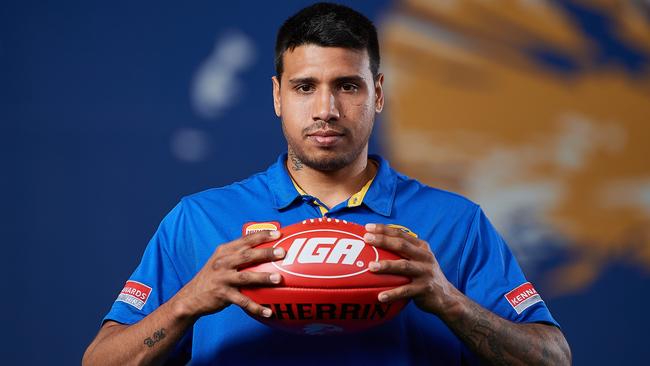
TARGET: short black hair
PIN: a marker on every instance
(328, 25)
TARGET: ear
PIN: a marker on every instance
(379, 93)
(276, 96)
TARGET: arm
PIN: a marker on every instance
(147, 342)
(214, 287)
(494, 339)
(502, 342)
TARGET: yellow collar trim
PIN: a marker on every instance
(357, 198)
(354, 201)
(300, 190)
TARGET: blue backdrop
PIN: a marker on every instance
(106, 121)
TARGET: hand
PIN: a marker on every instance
(494, 339)
(217, 284)
(429, 288)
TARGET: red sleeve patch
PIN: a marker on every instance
(134, 293)
(523, 297)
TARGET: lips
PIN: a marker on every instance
(325, 137)
(325, 133)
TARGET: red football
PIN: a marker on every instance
(326, 287)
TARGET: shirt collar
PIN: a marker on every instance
(379, 196)
(280, 184)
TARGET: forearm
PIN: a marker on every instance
(213, 288)
(494, 339)
(148, 342)
(501, 342)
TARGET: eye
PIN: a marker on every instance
(305, 88)
(349, 87)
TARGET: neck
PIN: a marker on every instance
(332, 187)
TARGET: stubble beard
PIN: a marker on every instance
(331, 162)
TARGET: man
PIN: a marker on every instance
(327, 91)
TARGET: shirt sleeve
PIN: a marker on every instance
(157, 278)
(491, 276)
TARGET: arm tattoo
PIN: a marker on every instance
(500, 342)
(157, 337)
(483, 337)
(297, 164)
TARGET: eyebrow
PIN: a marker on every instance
(342, 79)
(350, 79)
(307, 80)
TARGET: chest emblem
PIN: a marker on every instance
(253, 227)
(404, 229)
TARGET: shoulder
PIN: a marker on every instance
(254, 187)
(412, 191)
(216, 210)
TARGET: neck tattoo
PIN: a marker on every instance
(296, 163)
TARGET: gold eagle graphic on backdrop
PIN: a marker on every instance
(539, 111)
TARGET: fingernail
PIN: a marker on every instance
(373, 266)
(266, 313)
(383, 297)
(278, 252)
(274, 234)
(369, 237)
(371, 227)
(275, 277)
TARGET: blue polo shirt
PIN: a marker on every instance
(471, 253)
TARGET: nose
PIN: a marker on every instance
(325, 106)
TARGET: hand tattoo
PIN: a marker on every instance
(157, 337)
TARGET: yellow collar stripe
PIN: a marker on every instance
(323, 209)
(357, 198)
(354, 201)
(300, 191)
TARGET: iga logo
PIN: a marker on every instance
(344, 251)
(325, 253)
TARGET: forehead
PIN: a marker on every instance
(325, 63)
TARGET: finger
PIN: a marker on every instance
(393, 231)
(396, 245)
(401, 266)
(249, 305)
(247, 241)
(257, 255)
(250, 278)
(402, 292)
(255, 239)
